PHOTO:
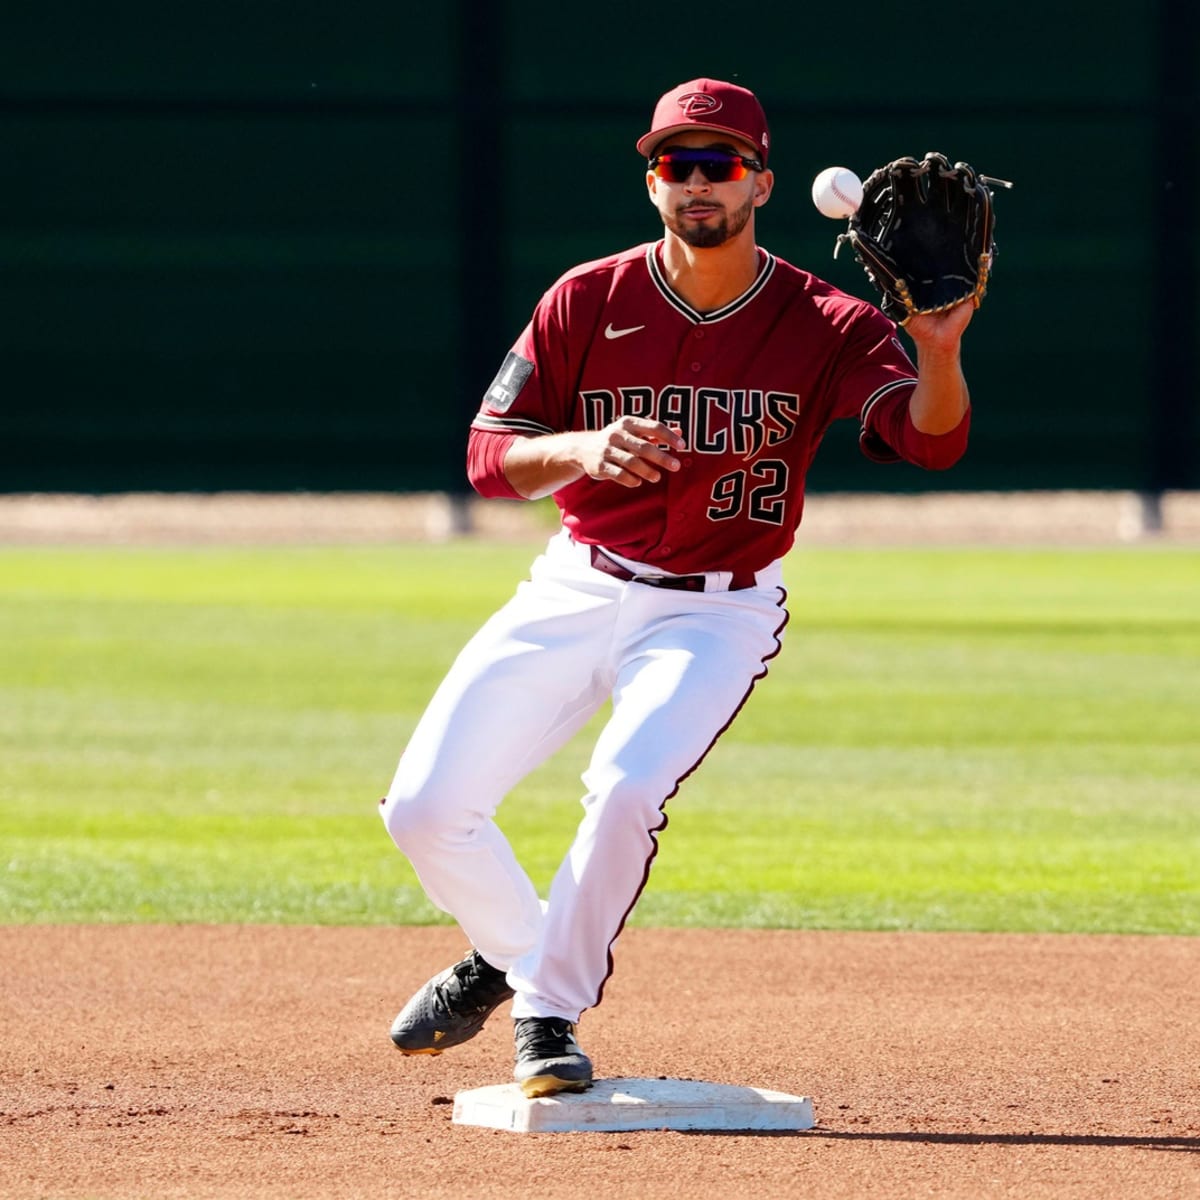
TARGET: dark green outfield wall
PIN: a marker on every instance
(274, 246)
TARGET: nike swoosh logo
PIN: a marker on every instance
(610, 332)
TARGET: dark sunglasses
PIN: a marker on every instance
(717, 166)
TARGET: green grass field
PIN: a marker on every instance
(988, 739)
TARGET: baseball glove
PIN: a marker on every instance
(923, 234)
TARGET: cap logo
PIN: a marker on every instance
(696, 104)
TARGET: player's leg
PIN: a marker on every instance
(678, 688)
(518, 691)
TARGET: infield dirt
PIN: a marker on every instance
(251, 1061)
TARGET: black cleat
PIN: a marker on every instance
(549, 1059)
(451, 1008)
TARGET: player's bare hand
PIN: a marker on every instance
(631, 451)
(941, 331)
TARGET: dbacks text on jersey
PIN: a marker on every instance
(738, 421)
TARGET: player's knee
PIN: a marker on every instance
(625, 798)
(412, 819)
(429, 813)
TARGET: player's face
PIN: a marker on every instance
(697, 210)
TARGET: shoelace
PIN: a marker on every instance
(546, 1038)
(470, 989)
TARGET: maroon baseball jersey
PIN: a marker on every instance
(752, 387)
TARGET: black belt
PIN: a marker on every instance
(678, 583)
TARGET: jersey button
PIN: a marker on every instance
(699, 333)
(696, 367)
(666, 549)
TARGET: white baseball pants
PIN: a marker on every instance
(677, 666)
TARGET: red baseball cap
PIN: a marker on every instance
(708, 104)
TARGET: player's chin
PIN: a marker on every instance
(702, 234)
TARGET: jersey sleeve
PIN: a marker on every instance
(530, 391)
(889, 435)
(875, 387)
(527, 398)
(486, 450)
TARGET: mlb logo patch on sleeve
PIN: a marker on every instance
(509, 381)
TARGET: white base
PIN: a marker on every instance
(615, 1105)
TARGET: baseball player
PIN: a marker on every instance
(671, 398)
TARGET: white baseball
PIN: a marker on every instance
(837, 192)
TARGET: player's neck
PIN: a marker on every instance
(711, 277)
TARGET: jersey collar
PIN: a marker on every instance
(765, 271)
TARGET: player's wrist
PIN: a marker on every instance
(538, 466)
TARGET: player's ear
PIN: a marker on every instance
(764, 183)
